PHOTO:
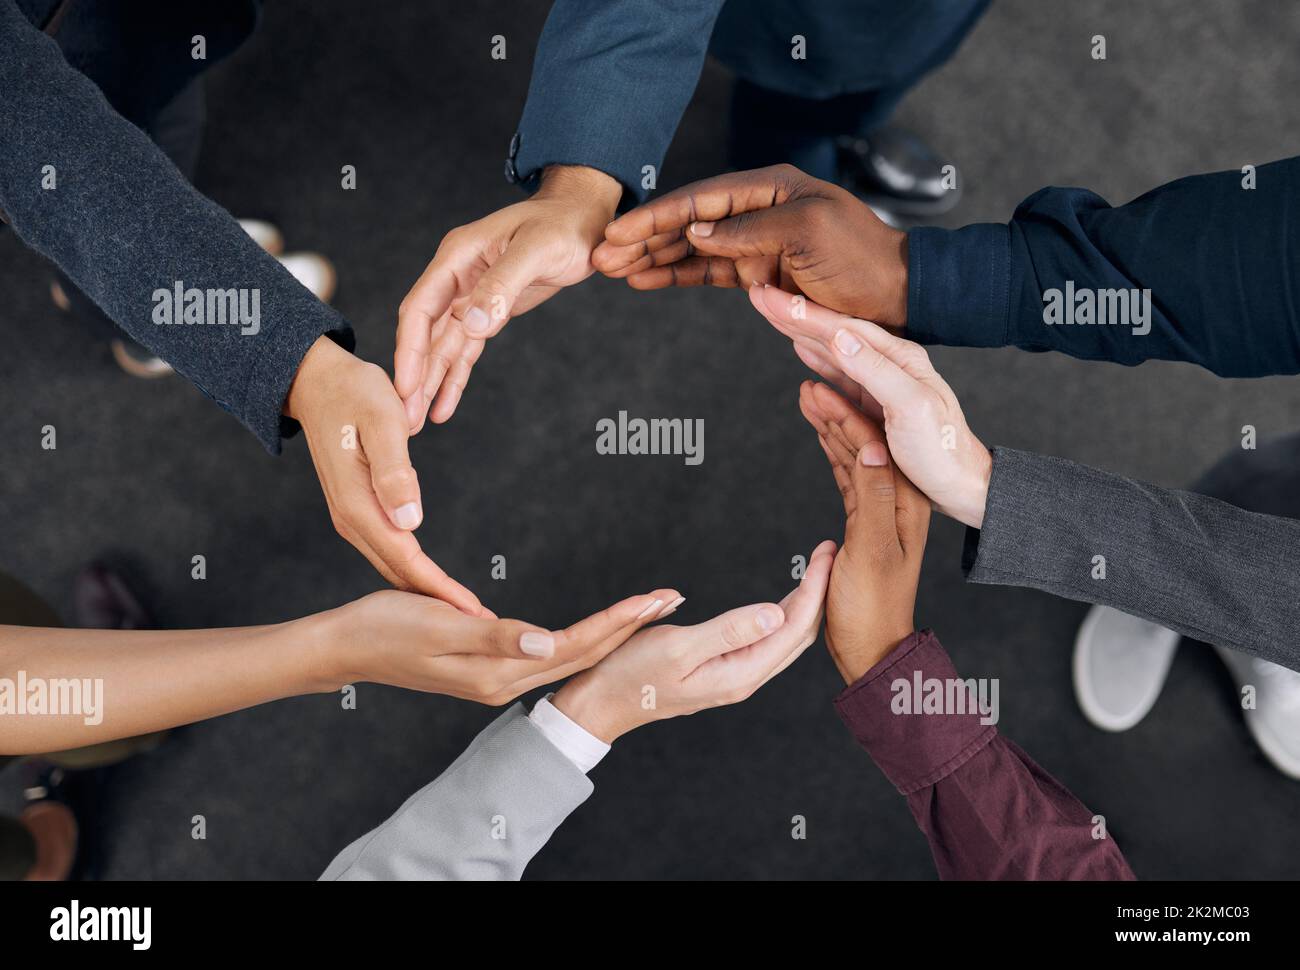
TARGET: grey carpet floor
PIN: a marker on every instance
(147, 474)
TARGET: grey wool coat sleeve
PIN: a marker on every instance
(485, 817)
(123, 223)
(1195, 564)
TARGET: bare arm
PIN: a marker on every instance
(68, 688)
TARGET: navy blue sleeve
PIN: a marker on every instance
(123, 223)
(1216, 259)
(610, 82)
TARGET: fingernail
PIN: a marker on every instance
(701, 229)
(847, 343)
(537, 645)
(476, 321)
(671, 607)
(652, 608)
(768, 620)
(408, 515)
(874, 454)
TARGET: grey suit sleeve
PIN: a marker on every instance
(485, 817)
(1194, 564)
(122, 222)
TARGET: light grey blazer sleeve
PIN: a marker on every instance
(1194, 564)
(485, 817)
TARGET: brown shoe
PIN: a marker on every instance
(54, 830)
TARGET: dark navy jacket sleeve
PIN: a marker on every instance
(1218, 258)
(122, 222)
(610, 82)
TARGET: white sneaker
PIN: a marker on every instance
(313, 271)
(264, 234)
(1120, 666)
(1274, 721)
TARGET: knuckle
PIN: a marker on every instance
(915, 355)
(733, 634)
(483, 688)
(396, 478)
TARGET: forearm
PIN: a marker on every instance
(1198, 270)
(485, 817)
(986, 809)
(129, 682)
(1194, 564)
(592, 62)
(125, 226)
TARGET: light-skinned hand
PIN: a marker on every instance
(893, 379)
(668, 671)
(357, 432)
(488, 272)
(419, 643)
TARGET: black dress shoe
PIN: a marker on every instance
(892, 169)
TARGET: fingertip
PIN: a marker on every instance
(414, 406)
(769, 617)
(537, 645)
(846, 343)
(407, 365)
(477, 322)
(408, 516)
(671, 607)
(445, 406)
(651, 608)
(874, 454)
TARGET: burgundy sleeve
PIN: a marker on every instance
(988, 811)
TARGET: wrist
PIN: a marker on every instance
(584, 702)
(970, 510)
(322, 358)
(582, 186)
(854, 664)
(896, 309)
(322, 641)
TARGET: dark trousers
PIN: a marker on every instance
(863, 56)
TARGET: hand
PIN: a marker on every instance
(672, 670)
(356, 430)
(924, 424)
(411, 641)
(489, 271)
(771, 225)
(872, 595)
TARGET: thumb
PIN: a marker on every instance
(396, 484)
(874, 522)
(734, 629)
(762, 232)
(494, 298)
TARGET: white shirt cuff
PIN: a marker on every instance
(575, 742)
